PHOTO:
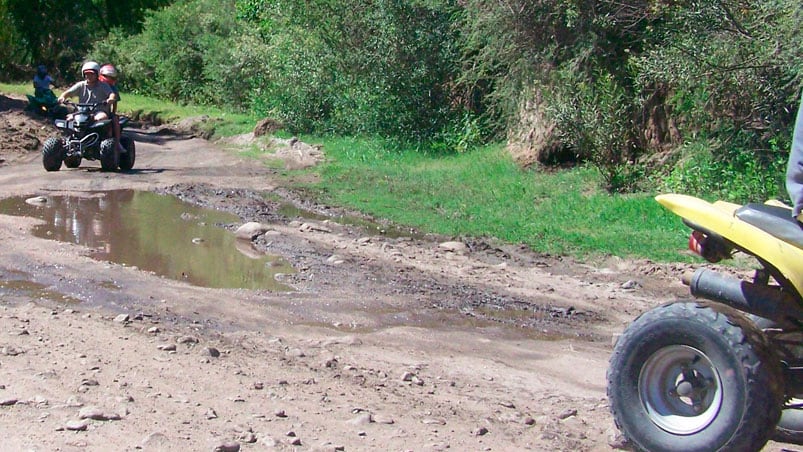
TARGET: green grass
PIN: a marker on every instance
(483, 193)
(230, 123)
(480, 193)
(16, 88)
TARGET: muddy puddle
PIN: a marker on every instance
(155, 233)
(12, 289)
(441, 320)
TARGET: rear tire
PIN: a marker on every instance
(52, 154)
(72, 161)
(109, 157)
(790, 426)
(695, 377)
(127, 158)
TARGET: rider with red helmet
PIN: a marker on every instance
(108, 75)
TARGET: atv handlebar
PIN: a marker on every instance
(93, 105)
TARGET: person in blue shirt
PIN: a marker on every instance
(42, 82)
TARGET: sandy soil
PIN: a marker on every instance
(415, 343)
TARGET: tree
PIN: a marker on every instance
(727, 70)
(60, 32)
(357, 66)
(47, 28)
(126, 16)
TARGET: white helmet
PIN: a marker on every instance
(90, 66)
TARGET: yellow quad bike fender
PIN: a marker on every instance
(720, 218)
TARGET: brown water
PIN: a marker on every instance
(32, 290)
(155, 233)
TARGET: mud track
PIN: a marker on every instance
(383, 343)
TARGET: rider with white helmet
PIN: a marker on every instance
(91, 90)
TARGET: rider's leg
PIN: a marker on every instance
(101, 115)
(116, 129)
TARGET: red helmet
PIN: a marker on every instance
(108, 74)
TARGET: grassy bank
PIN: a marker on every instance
(478, 193)
(483, 193)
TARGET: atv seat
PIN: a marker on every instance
(774, 220)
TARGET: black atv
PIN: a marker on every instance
(85, 138)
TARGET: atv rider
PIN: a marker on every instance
(794, 170)
(108, 75)
(92, 91)
(42, 82)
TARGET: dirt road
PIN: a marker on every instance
(381, 343)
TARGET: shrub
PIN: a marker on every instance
(359, 67)
(594, 119)
(192, 51)
(734, 175)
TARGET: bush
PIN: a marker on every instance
(735, 175)
(734, 69)
(192, 51)
(359, 67)
(450, 74)
(729, 68)
(593, 118)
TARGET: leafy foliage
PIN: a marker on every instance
(8, 38)
(359, 67)
(735, 69)
(594, 117)
(58, 33)
(191, 51)
(737, 176)
(731, 70)
(734, 66)
(445, 75)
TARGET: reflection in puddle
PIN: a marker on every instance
(155, 233)
(34, 290)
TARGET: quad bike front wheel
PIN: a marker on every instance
(53, 154)
(72, 161)
(695, 377)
